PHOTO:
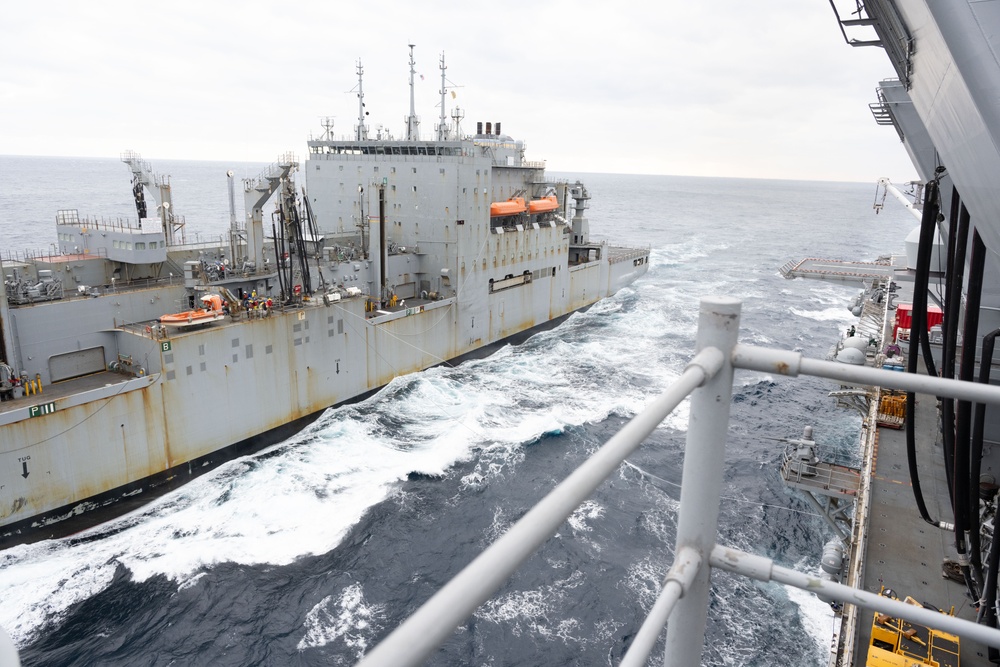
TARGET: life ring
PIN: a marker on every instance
(149, 329)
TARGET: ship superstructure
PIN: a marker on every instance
(387, 257)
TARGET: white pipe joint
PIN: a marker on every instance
(708, 361)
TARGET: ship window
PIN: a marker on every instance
(201, 350)
(163, 244)
(376, 170)
(393, 170)
(393, 188)
(139, 245)
(414, 188)
(269, 349)
(329, 319)
(236, 358)
(414, 170)
(204, 367)
(171, 375)
(236, 342)
(442, 171)
(298, 341)
(189, 370)
(249, 351)
(128, 245)
(340, 326)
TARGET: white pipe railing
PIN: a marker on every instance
(686, 566)
(764, 569)
(412, 642)
(704, 453)
(709, 380)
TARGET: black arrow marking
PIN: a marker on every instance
(24, 466)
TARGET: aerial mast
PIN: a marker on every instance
(442, 128)
(412, 133)
(362, 133)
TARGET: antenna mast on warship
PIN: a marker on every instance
(442, 128)
(412, 133)
(362, 133)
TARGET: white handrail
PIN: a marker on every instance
(687, 583)
(412, 642)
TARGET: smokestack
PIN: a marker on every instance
(498, 128)
(489, 127)
(479, 127)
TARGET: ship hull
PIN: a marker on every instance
(219, 393)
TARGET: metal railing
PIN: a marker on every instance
(708, 379)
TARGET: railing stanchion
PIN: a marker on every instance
(704, 454)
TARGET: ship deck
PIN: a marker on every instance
(65, 388)
(905, 553)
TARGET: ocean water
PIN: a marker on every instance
(309, 552)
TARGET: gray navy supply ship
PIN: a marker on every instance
(380, 256)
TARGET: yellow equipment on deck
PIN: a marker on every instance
(899, 643)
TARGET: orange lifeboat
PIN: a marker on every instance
(210, 312)
(543, 205)
(509, 207)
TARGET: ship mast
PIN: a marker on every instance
(362, 133)
(442, 128)
(412, 133)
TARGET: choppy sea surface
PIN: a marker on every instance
(309, 552)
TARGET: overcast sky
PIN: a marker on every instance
(708, 88)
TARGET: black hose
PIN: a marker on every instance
(975, 466)
(928, 225)
(963, 415)
(951, 422)
(953, 315)
(277, 259)
(987, 611)
(958, 234)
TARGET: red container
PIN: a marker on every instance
(904, 318)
